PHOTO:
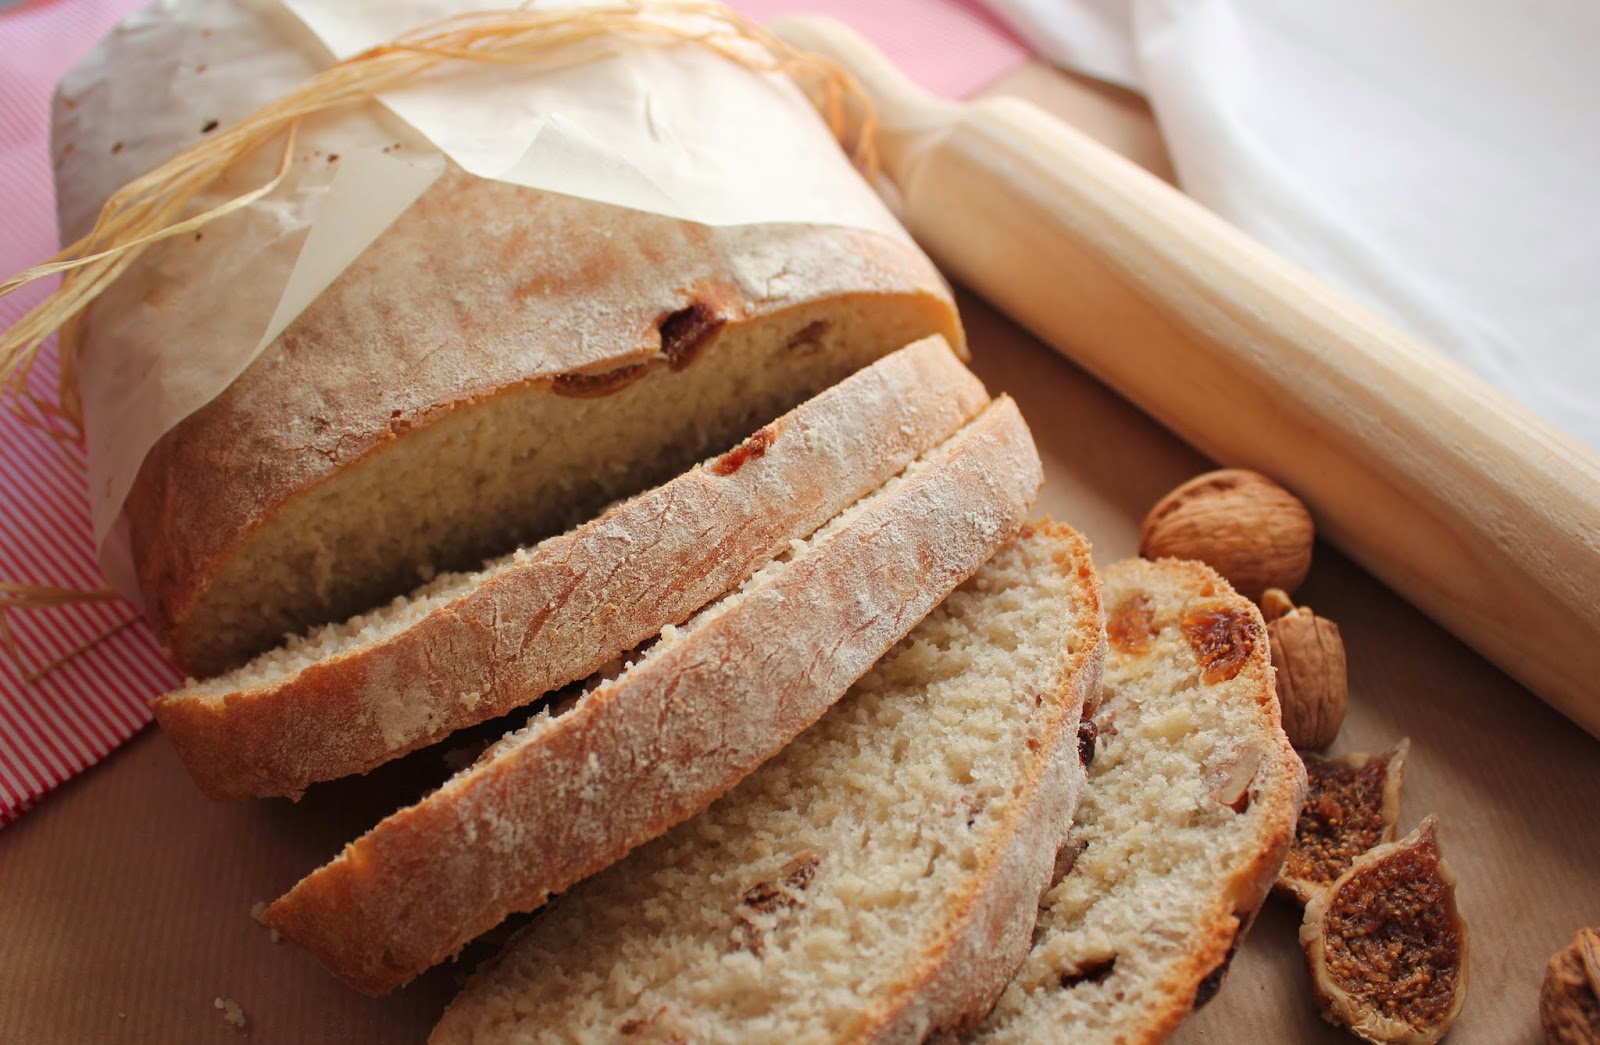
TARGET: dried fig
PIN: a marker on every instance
(1352, 805)
(1387, 946)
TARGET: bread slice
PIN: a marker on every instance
(1187, 818)
(876, 881)
(467, 648)
(572, 792)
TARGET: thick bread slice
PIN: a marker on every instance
(573, 792)
(1187, 818)
(875, 882)
(467, 648)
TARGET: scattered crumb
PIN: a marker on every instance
(258, 909)
(232, 1014)
(210, 126)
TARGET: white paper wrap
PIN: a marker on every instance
(629, 129)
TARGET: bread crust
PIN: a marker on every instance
(655, 746)
(1275, 792)
(989, 928)
(581, 599)
(544, 286)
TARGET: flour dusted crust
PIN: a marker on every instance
(559, 611)
(539, 302)
(955, 755)
(1185, 823)
(572, 793)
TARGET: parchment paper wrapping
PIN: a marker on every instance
(631, 129)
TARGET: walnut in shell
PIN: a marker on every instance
(1240, 523)
(1386, 945)
(1313, 685)
(1569, 1001)
(1352, 805)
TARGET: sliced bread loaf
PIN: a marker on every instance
(469, 647)
(875, 882)
(1187, 818)
(572, 792)
(496, 367)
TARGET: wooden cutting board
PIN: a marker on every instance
(125, 898)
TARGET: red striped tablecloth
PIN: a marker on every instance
(53, 727)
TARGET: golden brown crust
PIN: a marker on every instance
(988, 929)
(581, 599)
(658, 744)
(544, 286)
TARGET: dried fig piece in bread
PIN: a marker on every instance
(1386, 945)
(1352, 805)
(1569, 1001)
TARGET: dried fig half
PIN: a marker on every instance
(1352, 804)
(1387, 946)
(1569, 1001)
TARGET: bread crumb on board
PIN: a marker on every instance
(232, 1013)
(258, 909)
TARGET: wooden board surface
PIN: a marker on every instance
(125, 897)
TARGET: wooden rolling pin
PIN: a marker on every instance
(1483, 515)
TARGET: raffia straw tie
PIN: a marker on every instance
(147, 210)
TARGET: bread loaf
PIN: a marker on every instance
(1190, 808)
(875, 882)
(434, 407)
(499, 364)
(467, 648)
(574, 791)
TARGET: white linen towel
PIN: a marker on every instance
(1437, 160)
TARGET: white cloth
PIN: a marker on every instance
(1437, 160)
